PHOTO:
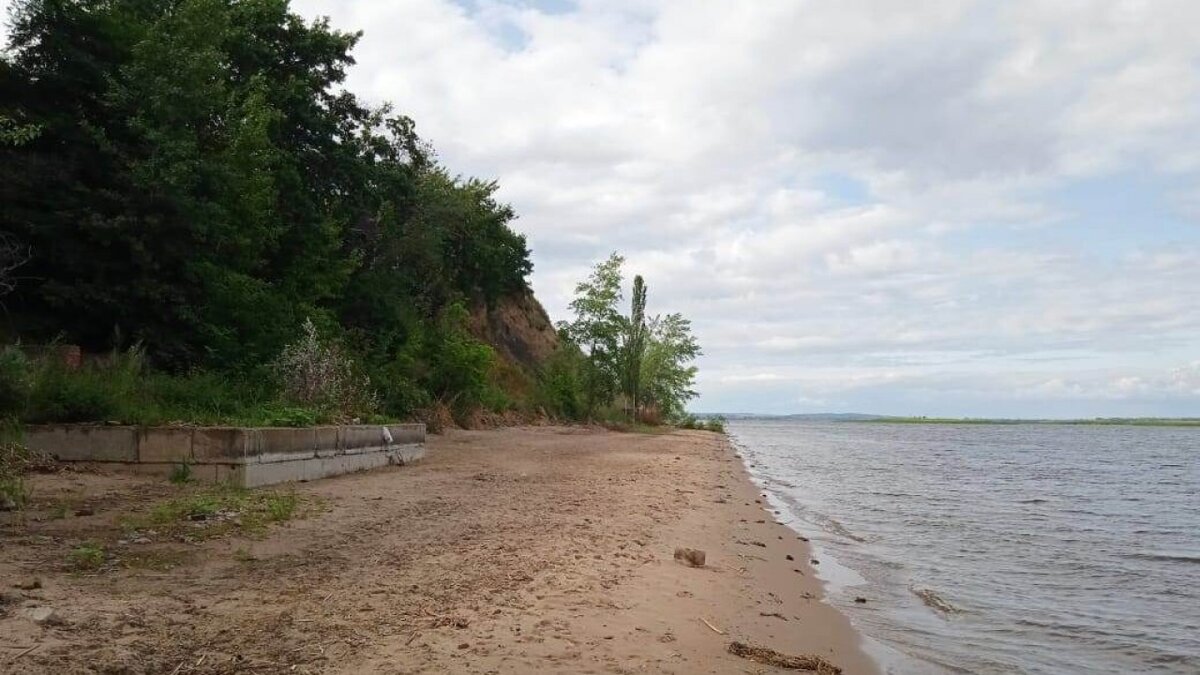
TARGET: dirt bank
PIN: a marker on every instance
(509, 551)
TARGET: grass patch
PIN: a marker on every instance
(59, 510)
(219, 510)
(87, 557)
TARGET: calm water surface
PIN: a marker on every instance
(999, 549)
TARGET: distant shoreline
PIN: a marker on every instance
(856, 418)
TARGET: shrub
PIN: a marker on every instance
(399, 395)
(559, 389)
(181, 473)
(14, 381)
(316, 372)
(98, 391)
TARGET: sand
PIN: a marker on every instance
(509, 551)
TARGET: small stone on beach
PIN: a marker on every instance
(690, 556)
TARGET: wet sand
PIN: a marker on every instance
(510, 551)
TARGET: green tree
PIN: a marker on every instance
(597, 330)
(667, 375)
(634, 347)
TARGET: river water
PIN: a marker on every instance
(1027, 548)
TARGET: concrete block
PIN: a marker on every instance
(80, 443)
(403, 434)
(165, 444)
(406, 454)
(326, 440)
(286, 441)
(313, 468)
(222, 444)
(361, 436)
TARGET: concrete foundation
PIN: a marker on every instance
(244, 456)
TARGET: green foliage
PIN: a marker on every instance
(120, 388)
(181, 473)
(316, 373)
(665, 371)
(13, 493)
(194, 174)
(647, 360)
(597, 330)
(87, 557)
(714, 424)
(633, 350)
(222, 509)
(14, 381)
(560, 391)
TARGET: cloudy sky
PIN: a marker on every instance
(940, 208)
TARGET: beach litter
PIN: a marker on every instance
(770, 657)
(690, 556)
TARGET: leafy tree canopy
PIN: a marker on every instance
(191, 175)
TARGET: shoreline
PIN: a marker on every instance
(504, 551)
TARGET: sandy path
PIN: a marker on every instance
(510, 551)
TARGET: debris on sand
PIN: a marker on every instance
(690, 556)
(771, 657)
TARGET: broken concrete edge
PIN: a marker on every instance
(214, 445)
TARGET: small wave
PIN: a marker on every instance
(1167, 557)
(1033, 501)
(934, 601)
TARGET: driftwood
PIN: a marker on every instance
(771, 657)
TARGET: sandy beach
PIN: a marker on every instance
(510, 551)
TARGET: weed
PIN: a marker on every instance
(218, 510)
(280, 506)
(181, 473)
(86, 557)
(13, 495)
(59, 510)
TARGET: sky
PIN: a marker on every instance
(923, 208)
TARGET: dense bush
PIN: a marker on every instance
(560, 392)
(316, 373)
(120, 388)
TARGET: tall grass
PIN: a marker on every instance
(121, 388)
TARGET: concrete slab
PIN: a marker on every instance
(223, 444)
(247, 457)
(165, 444)
(79, 443)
